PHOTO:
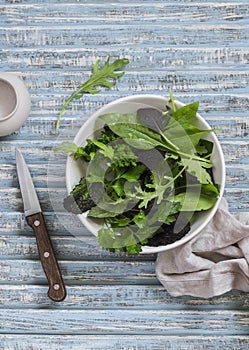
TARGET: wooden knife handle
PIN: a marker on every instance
(57, 290)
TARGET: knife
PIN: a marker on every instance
(35, 219)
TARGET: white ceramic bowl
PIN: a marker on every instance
(75, 169)
(14, 103)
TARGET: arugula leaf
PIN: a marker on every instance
(104, 77)
(68, 147)
(72, 149)
(106, 150)
(87, 152)
(162, 184)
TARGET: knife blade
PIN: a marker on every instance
(35, 219)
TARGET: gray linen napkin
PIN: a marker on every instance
(214, 262)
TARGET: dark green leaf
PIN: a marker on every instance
(120, 221)
(106, 208)
(152, 118)
(133, 174)
(186, 115)
(137, 135)
(118, 186)
(197, 200)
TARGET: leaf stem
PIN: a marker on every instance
(71, 97)
(176, 177)
(191, 156)
(168, 141)
(172, 100)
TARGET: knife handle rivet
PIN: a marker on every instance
(46, 254)
(56, 287)
(37, 223)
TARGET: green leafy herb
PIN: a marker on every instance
(87, 152)
(141, 137)
(100, 77)
(142, 174)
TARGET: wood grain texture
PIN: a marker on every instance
(114, 301)
(115, 296)
(121, 342)
(153, 322)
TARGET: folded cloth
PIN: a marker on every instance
(212, 263)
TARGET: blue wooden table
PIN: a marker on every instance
(115, 301)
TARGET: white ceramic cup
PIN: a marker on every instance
(14, 103)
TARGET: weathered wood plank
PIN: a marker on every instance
(118, 11)
(14, 223)
(205, 56)
(129, 321)
(123, 342)
(166, 13)
(149, 297)
(79, 272)
(86, 28)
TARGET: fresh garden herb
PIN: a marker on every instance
(100, 77)
(147, 172)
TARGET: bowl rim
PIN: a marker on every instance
(159, 99)
(15, 106)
